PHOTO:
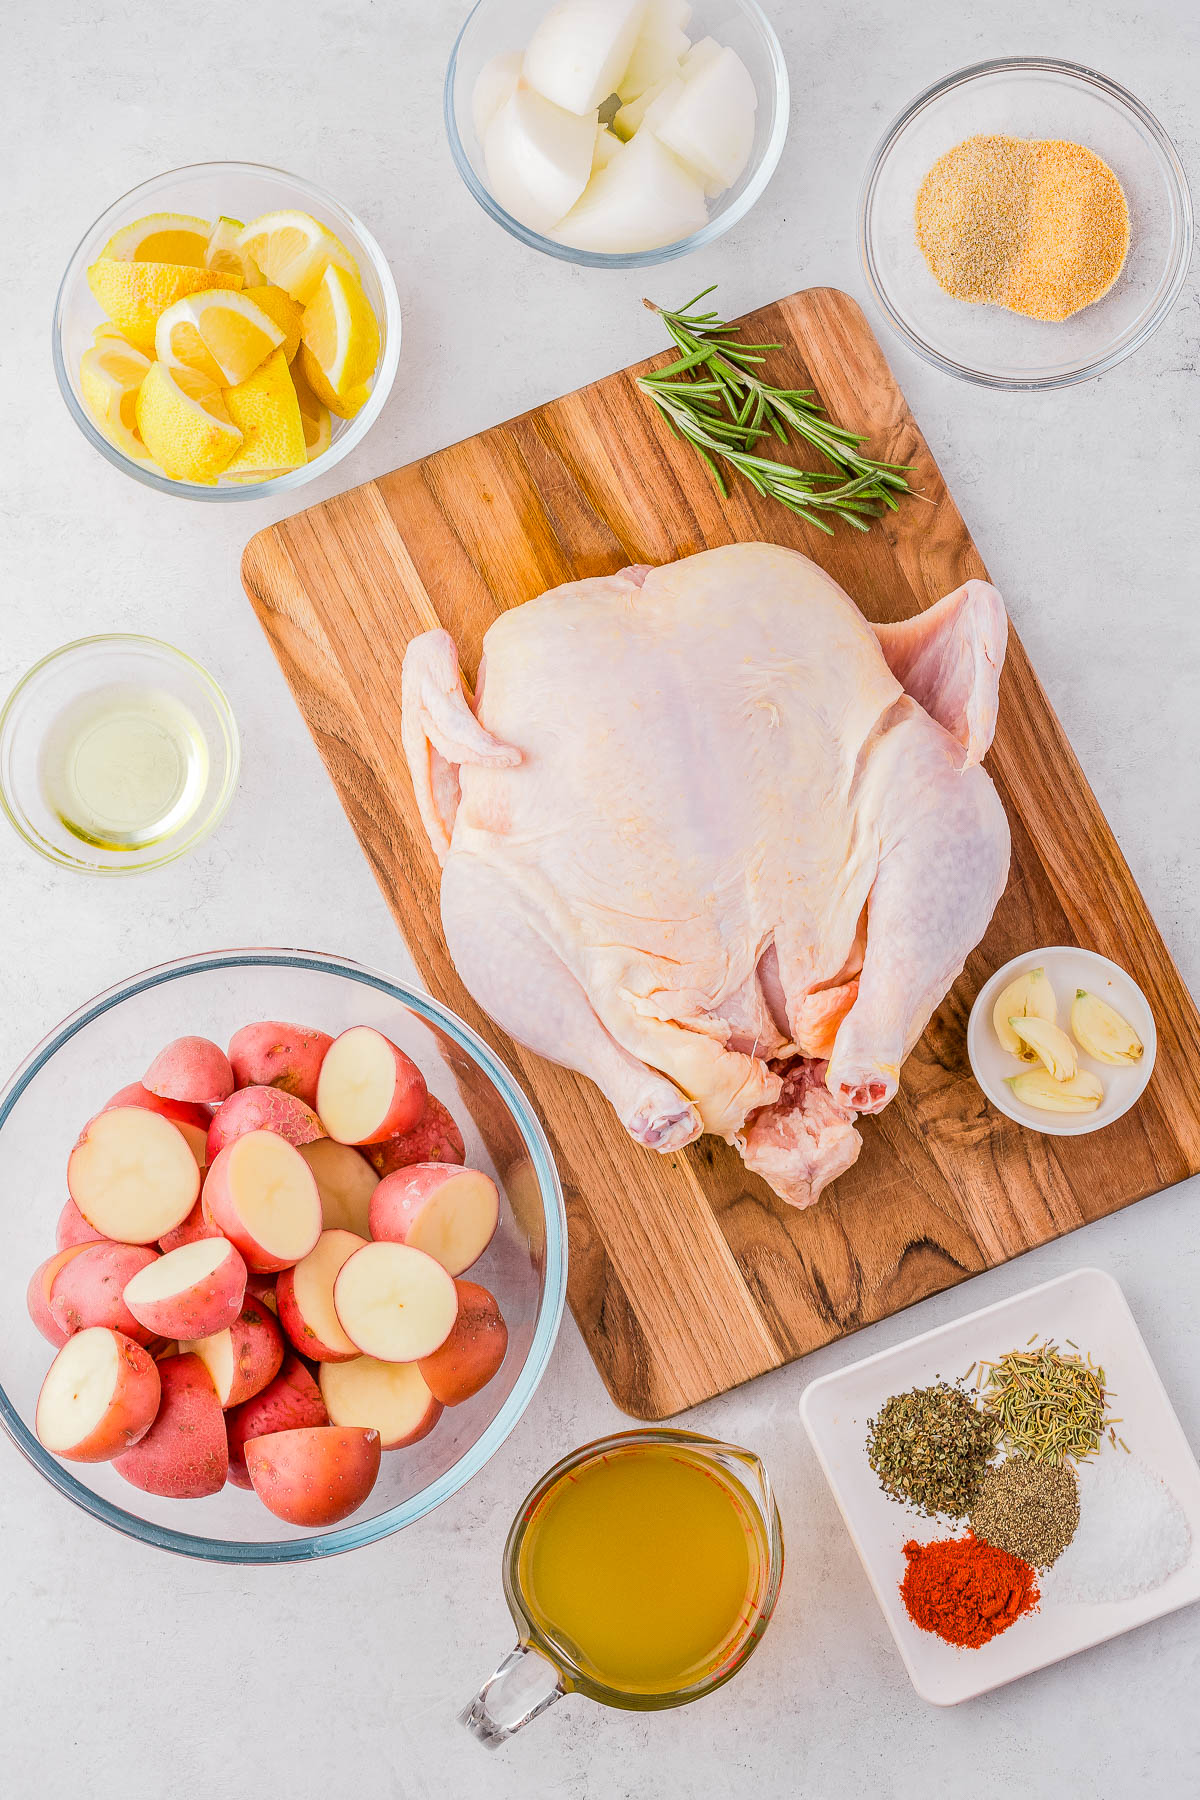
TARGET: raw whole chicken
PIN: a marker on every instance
(715, 842)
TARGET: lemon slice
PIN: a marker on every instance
(161, 237)
(133, 294)
(293, 250)
(185, 425)
(314, 416)
(107, 333)
(222, 253)
(222, 335)
(267, 412)
(110, 374)
(341, 341)
(287, 315)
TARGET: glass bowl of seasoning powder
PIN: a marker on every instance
(1025, 223)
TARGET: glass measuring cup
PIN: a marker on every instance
(547, 1661)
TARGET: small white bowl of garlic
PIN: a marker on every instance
(1062, 1040)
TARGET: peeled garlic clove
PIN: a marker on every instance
(1049, 1043)
(1101, 1031)
(1031, 996)
(1037, 1087)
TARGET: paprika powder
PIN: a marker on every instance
(966, 1591)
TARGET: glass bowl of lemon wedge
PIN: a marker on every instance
(226, 331)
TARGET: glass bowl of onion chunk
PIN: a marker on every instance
(616, 133)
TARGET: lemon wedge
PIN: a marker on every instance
(314, 416)
(287, 315)
(185, 425)
(267, 412)
(222, 335)
(222, 253)
(341, 342)
(161, 237)
(110, 374)
(293, 250)
(133, 294)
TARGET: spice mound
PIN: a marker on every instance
(965, 1591)
(1039, 226)
(1133, 1534)
(1030, 1509)
(930, 1447)
(1049, 1405)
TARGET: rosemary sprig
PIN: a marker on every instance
(1048, 1406)
(711, 396)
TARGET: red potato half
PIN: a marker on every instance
(260, 1193)
(395, 1302)
(289, 1403)
(272, 1054)
(262, 1109)
(449, 1213)
(99, 1397)
(132, 1175)
(194, 1227)
(243, 1359)
(369, 1089)
(193, 1121)
(315, 1476)
(435, 1138)
(191, 1069)
(190, 1292)
(392, 1398)
(304, 1295)
(90, 1290)
(185, 1454)
(472, 1353)
(345, 1182)
(41, 1286)
(262, 1287)
(73, 1228)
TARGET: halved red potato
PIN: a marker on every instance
(194, 1227)
(449, 1213)
(99, 1397)
(272, 1054)
(434, 1138)
(193, 1121)
(289, 1403)
(315, 1476)
(133, 1175)
(73, 1228)
(90, 1289)
(345, 1182)
(472, 1353)
(260, 1193)
(393, 1398)
(41, 1286)
(184, 1455)
(262, 1287)
(190, 1292)
(191, 1069)
(368, 1088)
(262, 1109)
(394, 1302)
(244, 1358)
(304, 1295)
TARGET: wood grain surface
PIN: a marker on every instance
(687, 1275)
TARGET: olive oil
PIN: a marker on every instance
(645, 1567)
(124, 767)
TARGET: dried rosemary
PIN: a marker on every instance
(930, 1446)
(1047, 1405)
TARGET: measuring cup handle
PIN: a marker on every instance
(523, 1686)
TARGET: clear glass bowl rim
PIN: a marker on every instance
(294, 478)
(370, 1531)
(1182, 249)
(631, 259)
(222, 708)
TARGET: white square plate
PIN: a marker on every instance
(1086, 1306)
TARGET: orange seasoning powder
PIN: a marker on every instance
(1037, 225)
(964, 1590)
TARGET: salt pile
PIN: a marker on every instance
(1132, 1534)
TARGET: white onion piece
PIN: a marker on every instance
(538, 158)
(605, 148)
(644, 198)
(710, 125)
(493, 86)
(701, 52)
(629, 118)
(656, 55)
(580, 50)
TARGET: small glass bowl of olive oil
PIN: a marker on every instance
(117, 754)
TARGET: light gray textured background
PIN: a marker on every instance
(127, 1675)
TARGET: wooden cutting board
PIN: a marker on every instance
(687, 1275)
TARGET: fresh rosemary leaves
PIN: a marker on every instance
(711, 396)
